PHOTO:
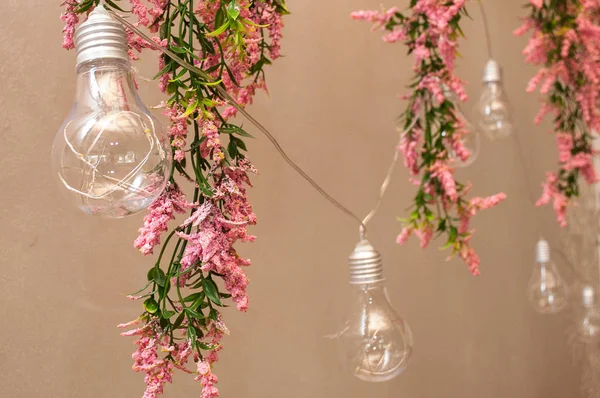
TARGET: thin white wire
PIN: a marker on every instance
(388, 178)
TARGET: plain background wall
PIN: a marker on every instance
(332, 103)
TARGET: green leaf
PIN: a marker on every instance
(178, 50)
(233, 10)
(214, 315)
(191, 334)
(168, 314)
(429, 215)
(193, 313)
(193, 297)
(85, 6)
(114, 5)
(178, 321)
(164, 323)
(219, 30)
(211, 291)
(204, 346)
(211, 84)
(219, 17)
(452, 234)
(159, 277)
(179, 76)
(164, 70)
(142, 289)
(150, 305)
(191, 108)
(241, 144)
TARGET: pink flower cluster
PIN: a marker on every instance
(147, 358)
(211, 247)
(177, 130)
(568, 59)
(163, 210)
(71, 19)
(208, 380)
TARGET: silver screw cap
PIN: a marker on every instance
(99, 37)
(492, 73)
(542, 251)
(366, 265)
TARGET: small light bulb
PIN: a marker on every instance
(547, 290)
(375, 343)
(588, 324)
(493, 108)
(111, 155)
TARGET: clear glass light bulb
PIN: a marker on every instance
(375, 343)
(588, 323)
(547, 290)
(493, 109)
(111, 155)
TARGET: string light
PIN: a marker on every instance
(110, 154)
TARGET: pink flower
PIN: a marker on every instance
(527, 25)
(471, 258)
(408, 147)
(71, 20)
(425, 234)
(443, 173)
(380, 18)
(404, 235)
(537, 3)
(420, 52)
(465, 221)
(551, 193)
(564, 142)
(478, 203)
(141, 11)
(162, 211)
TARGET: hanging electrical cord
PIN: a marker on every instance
(486, 28)
(386, 181)
(363, 223)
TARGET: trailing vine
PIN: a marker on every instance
(197, 269)
(430, 30)
(565, 43)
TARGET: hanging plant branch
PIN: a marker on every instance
(197, 269)
(565, 43)
(430, 31)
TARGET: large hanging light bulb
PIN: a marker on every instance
(110, 154)
(588, 322)
(375, 342)
(547, 290)
(493, 108)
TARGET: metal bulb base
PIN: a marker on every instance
(366, 264)
(100, 37)
(492, 73)
(542, 251)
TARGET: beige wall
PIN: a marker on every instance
(332, 103)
